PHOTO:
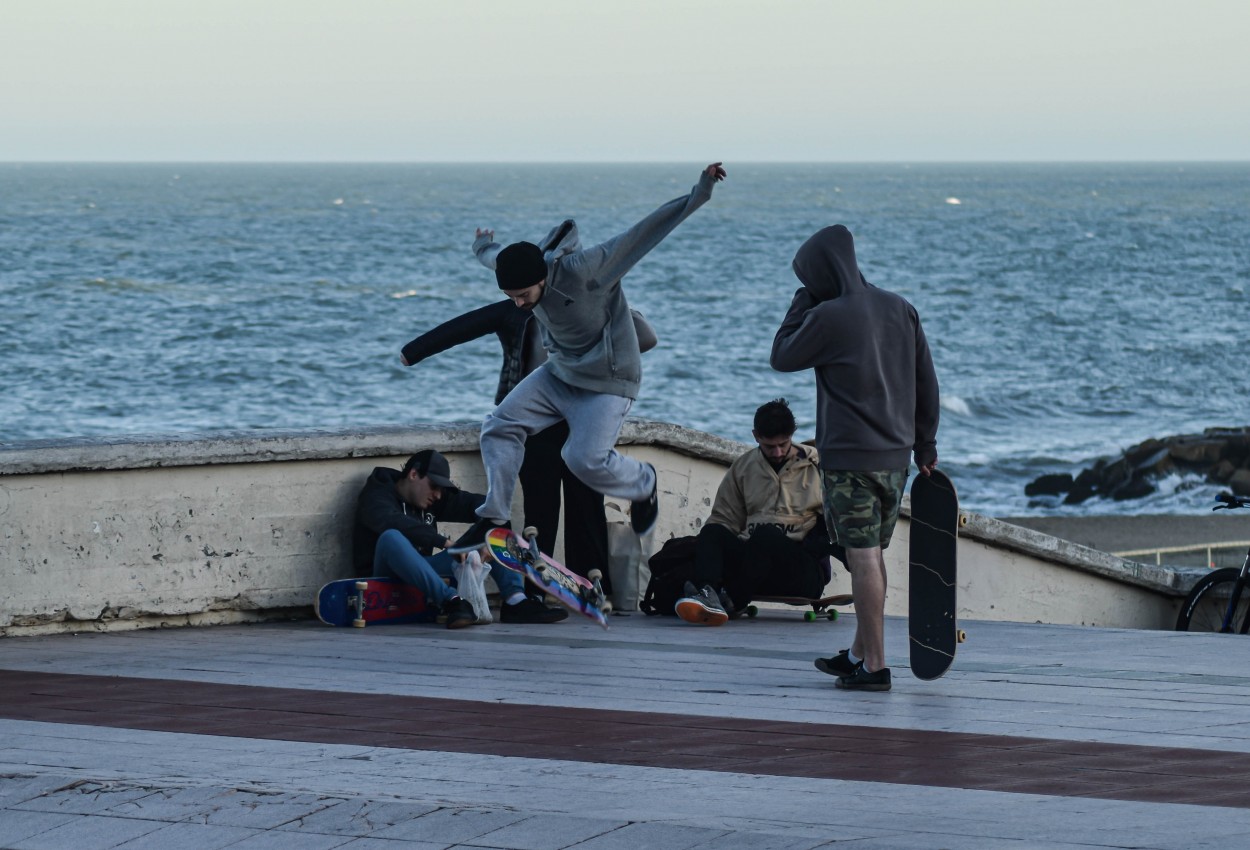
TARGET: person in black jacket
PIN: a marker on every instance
(396, 533)
(543, 470)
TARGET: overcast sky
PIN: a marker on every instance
(624, 80)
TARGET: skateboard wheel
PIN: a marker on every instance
(358, 623)
(963, 520)
(607, 608)
(809, 616)
(530, 533)
(832, 615)
(961, 636)
(594, 575)
(752, 611)
(362, 585)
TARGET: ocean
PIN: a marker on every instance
(1072, 310)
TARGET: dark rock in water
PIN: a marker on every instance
(1222, 455)
(1049, 485)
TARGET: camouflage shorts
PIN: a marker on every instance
(861, 508)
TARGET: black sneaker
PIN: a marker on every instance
(459, 613)
(530, 610)
(642, 515)
(701, 607)
(862, 680)
(839, 665)
(475, 537)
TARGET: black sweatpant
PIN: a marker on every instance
(543, 474)
(768, 563)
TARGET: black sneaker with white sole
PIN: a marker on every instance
(862, 680)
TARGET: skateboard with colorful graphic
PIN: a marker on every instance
(821, 606)
(372, 601)
(931, 626)
(520, 554)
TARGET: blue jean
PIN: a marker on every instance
(394, 556)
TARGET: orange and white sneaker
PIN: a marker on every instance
(702, 607)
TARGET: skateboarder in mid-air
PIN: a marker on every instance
(877, 405)
(593, 370)
(766, 535)
(396, 533)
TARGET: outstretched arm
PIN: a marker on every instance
(485, 248)
(610, 260)
(464, 328)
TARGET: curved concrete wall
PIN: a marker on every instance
(216, 528)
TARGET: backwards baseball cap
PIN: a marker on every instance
(432, 465)
(519, 266)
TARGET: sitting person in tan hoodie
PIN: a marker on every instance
(766, 535)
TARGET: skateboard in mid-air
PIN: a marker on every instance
(520, 553)
(372, 601)
(822, 606)
(931, 626)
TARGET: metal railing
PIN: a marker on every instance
(1210, 548)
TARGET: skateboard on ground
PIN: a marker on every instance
(931, 604)
(520, 553)
(372, 601)
(821, 606)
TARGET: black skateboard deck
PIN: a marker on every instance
(931, 604)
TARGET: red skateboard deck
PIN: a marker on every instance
(372, 601)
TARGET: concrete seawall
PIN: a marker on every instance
(230, 527)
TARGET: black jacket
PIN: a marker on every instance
(503, 318)
(380, 509)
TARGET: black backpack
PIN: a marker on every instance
(671, 568)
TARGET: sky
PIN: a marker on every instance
(624, 80)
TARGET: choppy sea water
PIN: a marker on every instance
(1073, 310)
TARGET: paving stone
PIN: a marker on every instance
(546, 832)
(85, 797)
(358, 817)
(83, 831)
(200, 836)
(658, 835)
(18, 825)
(278, 840)
(16, 789)
(451, 826)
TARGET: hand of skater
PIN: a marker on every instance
(715, 170)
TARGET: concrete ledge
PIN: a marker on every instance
(1004, 535)
(149, 451)
(205, 528)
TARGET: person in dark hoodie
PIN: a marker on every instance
(396, 533)
(543, 471)
(876, 407)
(593, 370)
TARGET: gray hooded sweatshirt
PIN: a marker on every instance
(587, 327)
(876, 389)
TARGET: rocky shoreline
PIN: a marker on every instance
(1220, 455)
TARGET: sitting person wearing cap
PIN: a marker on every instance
(396, 533)
(593, 370)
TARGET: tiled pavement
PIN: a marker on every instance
(655, 734)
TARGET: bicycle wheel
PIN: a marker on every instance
(1207, 603)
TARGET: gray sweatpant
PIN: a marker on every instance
(595, 421)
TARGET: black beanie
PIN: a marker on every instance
(520, 265)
